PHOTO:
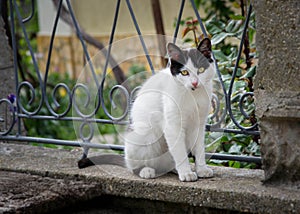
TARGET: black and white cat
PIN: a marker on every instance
(168, 118)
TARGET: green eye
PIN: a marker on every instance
(201, 70)
(184, 73)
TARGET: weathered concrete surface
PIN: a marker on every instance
(22, 192)
(7, 81)
(277, 88)
(6, 64)
(230, 189)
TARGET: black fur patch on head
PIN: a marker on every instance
(201, 57)
(205, 48)
(177, 58)
(175, 67)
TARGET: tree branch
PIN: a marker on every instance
(159, 25)
(66, 17)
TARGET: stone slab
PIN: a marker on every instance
(231, 189)
(276, 84)
(27, 193)
(6, 65)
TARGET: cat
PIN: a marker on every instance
(168, 118)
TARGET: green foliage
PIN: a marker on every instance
(137, 74)
(25, 59)
(222, 9)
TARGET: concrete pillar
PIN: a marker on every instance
(7, 77)
(277, 88)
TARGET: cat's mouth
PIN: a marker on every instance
(194, 87)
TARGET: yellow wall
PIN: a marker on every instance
(96, 17)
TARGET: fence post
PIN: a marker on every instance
(277, 88)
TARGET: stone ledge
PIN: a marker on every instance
(286, 105)
(231, 189)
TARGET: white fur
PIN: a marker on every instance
(168, 122)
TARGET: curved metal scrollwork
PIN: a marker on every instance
(31, 93)
(244, 113)
(8, 112)
(218, 115)
(82, 133)
(55, 91)
(87, 101)
(124, 91)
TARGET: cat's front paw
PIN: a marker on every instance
(188, 176)
(204, 172)
(147, 173)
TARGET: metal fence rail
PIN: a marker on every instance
(16, 113)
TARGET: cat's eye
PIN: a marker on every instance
(200, 70)
(184, 72)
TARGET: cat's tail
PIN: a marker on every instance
(111, 159)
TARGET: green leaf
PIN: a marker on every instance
(239, 72)
(214, 26)
(225, 138)
(253, 148)
(233, 26)
(238, 85)
(235, 149)
(230, 26)
(250, 73)
(213, 146)
(217, 162)
(235, 164)
(214, 30)
(237, 17)
(188, 40)
(217, 38)
(220, 56)
(235, 98)
(226, 77)
(226, 147)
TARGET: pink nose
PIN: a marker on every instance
(195, 84)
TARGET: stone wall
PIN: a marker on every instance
(277, 88)
(7, 80)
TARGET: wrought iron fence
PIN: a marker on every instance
(11, 129)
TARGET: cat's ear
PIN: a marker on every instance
(205, 48)
(175, 53)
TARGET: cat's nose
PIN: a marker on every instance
(195, 84)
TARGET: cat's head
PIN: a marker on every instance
(191, 67)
